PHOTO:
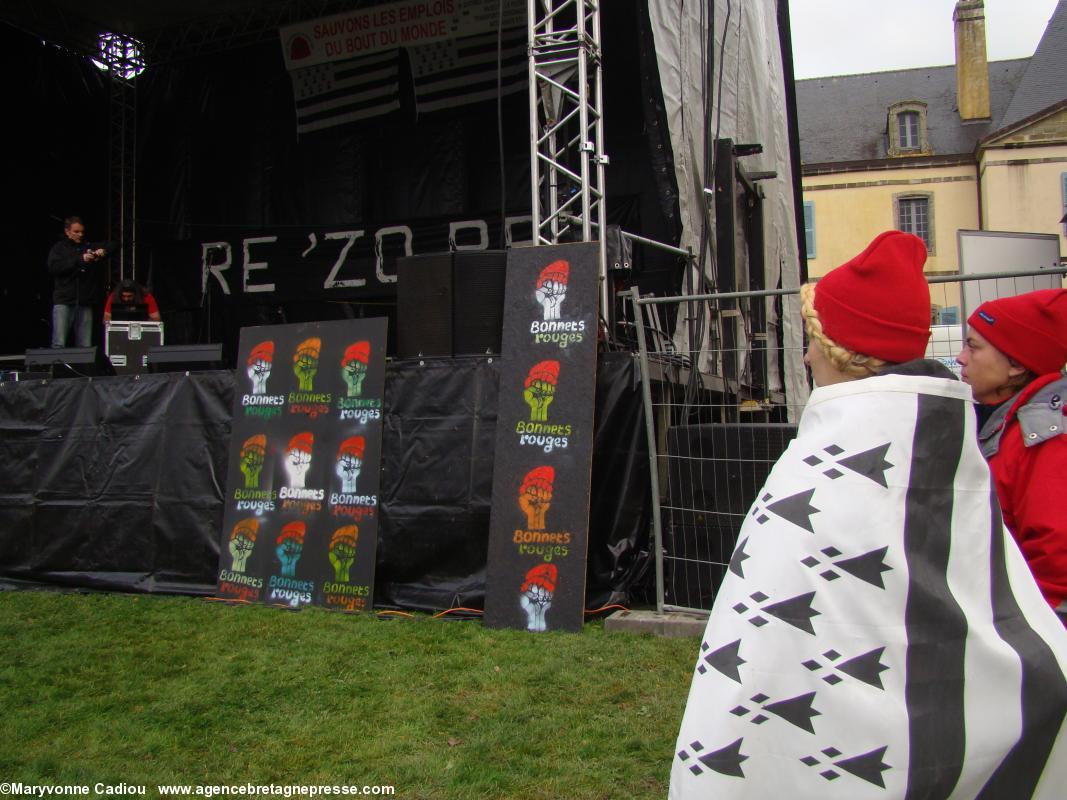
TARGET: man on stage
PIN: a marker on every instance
(72, 263)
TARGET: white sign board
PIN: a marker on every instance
(987, 252)
(377, 28)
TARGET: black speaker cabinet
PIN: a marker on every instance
(450, 303)
(184, 357)
(68, 362)
(478, 301)
(424, 305)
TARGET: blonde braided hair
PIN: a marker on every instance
(855, 365)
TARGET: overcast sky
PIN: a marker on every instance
(843, 37)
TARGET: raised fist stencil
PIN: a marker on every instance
(552, 288)
(535, 595)
(541, 388)
(354, 367)
(535, 496)
(298, 458)
(343, 551)
(350, 462)
(260, 361)
(289, 547)
(253, 452)
(306, 362)
(242, 540)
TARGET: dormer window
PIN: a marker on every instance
(906, 129)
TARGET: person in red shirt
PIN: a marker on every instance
(128, 292)
(1013, 359)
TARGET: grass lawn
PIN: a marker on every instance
(123, 689)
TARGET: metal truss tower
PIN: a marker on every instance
(567, 157)
(122, 174)
(123, 58)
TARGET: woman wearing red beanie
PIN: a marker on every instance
(1013, 359)
(877, 633)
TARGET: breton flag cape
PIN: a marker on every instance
(878, 635)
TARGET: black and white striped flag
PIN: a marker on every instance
(464, 70)
(878, 633)
(346, 91)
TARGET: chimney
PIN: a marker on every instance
(972, 68)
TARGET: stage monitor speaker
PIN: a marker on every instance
(184, 357)
(68, 362)
(424, 305)
(478, 301)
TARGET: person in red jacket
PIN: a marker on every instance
(1013, 359)
(130, 293)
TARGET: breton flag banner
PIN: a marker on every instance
(346, 91)
(878, 634)
(464, 70)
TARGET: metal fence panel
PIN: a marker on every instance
(715, 435)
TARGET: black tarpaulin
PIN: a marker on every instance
(118, 483)
(114, 483)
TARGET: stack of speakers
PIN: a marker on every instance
(450, 304)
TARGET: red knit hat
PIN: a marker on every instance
(1030, 328)
(878, 304)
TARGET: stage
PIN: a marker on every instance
(118, 483)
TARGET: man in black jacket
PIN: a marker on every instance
(72, 263)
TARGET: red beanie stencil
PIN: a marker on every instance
(264, 351)
(539, 477)
(352, 446)
(302, 441)
(878, 303)
(1030, 328)
(558, 271)
(360, 351)
(294, 531)
(257, 442)
(547, 371)
(545, 575)
(249, 528)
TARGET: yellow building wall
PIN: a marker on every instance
(851, 208)
(1022, 189)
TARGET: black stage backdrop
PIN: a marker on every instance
(118, 483)
(219, 159)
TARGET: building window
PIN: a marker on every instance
(809, 227)
(908, 130)
(915, 214)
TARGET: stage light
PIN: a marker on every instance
(120, 55)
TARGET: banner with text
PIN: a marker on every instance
(332, 263)
(301, 519)
(363, 31)
(538, 531)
